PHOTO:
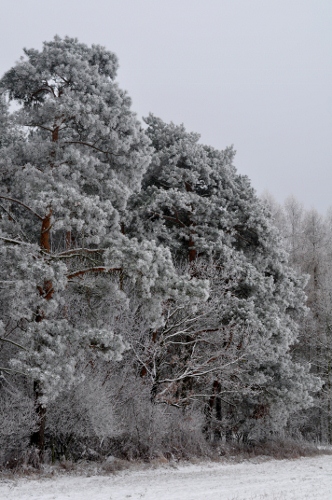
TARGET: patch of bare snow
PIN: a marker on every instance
(302, 479)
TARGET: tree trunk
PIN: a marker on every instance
(38, 437)
(192, 252)
(213, 429)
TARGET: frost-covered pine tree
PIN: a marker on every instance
(78, 154)
(194, 203)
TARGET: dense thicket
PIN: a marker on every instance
(145, 293)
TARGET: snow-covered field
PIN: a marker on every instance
(302, 479)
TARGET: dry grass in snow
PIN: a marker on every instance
(255, 479)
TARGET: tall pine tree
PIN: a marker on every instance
(65, 185)
(194, 203)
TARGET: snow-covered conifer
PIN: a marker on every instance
(194, 203)
(65, 186)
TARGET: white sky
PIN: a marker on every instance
(253, 73)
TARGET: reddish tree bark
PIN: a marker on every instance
(192, 252)
(46, 291)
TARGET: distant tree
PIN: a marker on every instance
(308, 239)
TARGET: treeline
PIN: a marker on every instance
(148, 305)
(307, 237)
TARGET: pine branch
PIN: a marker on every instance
(176, 220)
(82, 143)
(9, 370)
(70, 253)
(93, 270)
(2, 339)
(15, 242)
(22, 204)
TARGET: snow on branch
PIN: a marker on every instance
(93, 270)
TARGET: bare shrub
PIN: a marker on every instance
(155, 431)
(81, 420)
(113, 464)
(112, 412)
(17, 422)
(277, 448)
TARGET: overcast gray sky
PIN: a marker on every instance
(253, 73)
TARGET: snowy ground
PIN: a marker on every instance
(302, 479)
